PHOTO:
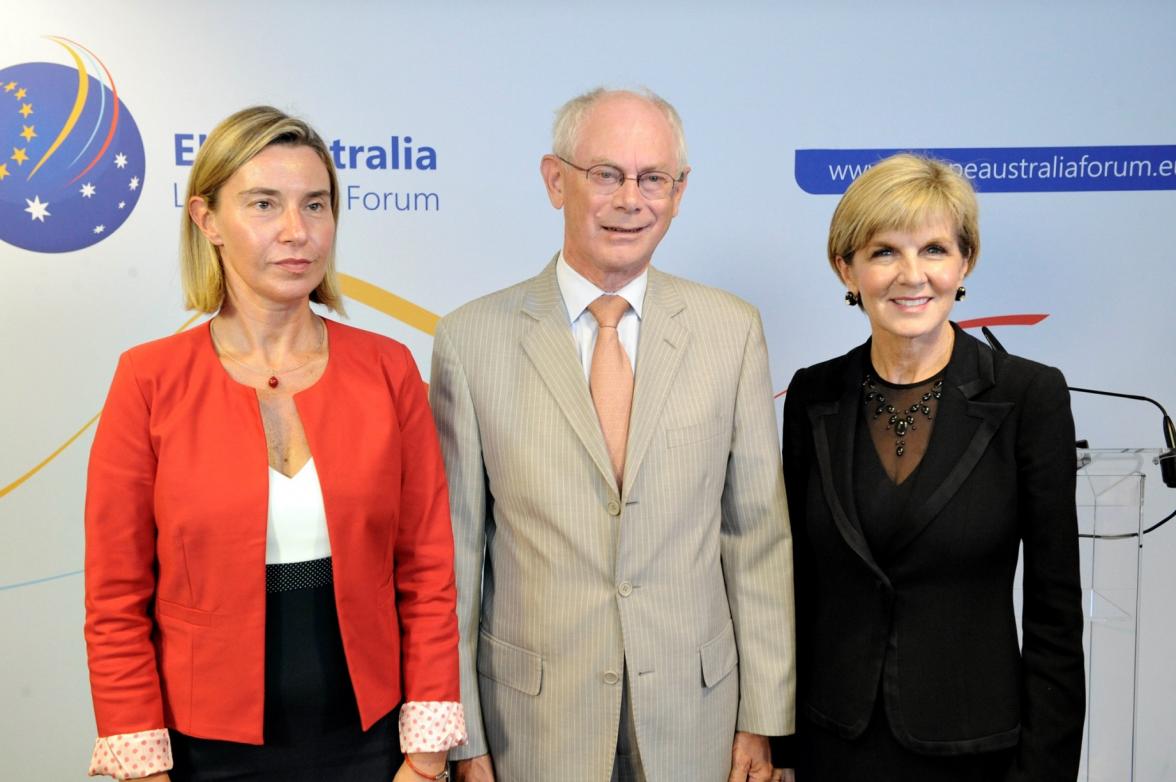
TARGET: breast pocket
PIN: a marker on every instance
(693, 433)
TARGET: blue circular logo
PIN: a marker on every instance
(71, 157)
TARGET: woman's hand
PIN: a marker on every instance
(405, 774)
(430, 764)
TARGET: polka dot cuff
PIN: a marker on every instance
(431, 726)
(425, 726)
(132, 755)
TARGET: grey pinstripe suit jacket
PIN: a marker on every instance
(686, 576)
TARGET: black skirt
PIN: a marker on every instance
(312, 730)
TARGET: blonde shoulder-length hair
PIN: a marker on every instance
(230, 145)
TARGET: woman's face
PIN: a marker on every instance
(908, 279)
(273, 225)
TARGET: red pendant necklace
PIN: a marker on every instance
(273, 381)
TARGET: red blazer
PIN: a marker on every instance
(176, 506)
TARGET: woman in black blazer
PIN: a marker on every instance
(916, 465)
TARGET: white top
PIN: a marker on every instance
(578, 292)
(296, 529)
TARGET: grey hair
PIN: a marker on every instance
(570, 117)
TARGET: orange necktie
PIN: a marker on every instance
(611, 379)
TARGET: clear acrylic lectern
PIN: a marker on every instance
(1110, 506)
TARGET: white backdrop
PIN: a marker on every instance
(477, 83)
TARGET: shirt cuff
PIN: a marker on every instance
(431, 726)
(132, 755)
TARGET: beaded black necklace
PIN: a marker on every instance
(901, 421)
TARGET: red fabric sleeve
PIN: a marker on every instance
(120, 562)
(425, 592)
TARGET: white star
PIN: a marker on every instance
(38, 209)
(122, 204)
(99, 229)
(87, 190)
(134, 183)
(120, 160)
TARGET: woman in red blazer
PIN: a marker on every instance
(916, 465)
(268, 548)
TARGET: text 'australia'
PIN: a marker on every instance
(399, 154)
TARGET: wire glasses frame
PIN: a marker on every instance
(606, 180)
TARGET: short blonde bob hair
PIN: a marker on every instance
(900, 193)
(230, 145)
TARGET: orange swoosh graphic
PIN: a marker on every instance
(79, 104)
(5, 489)
(113, 115)
(49, 458)
(389, 303)
(362, 291)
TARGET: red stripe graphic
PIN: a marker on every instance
(1003, 320)
(991, 320)
(113, 117)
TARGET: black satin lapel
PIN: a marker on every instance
(963, 429)
(833, 426)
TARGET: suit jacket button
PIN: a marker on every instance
(614, 508)
(625, 589)
(611, 677)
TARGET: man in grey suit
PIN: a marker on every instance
(624, 566)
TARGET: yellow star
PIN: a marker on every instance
(20, 93)
(10, 86)
(29, 133)
(19, 156)
(26, 109)
(3, 171)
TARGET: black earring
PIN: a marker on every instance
(961, 292)
(852, 299)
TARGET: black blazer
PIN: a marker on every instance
(935, 628)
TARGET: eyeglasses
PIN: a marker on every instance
(605, 180)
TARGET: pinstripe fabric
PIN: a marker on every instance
(687, 575)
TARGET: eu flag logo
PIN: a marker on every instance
(71, 157)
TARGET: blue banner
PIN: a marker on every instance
(1008, 169)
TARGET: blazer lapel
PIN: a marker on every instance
(549, 346)
(963, 429)
(662, 344)
(834, 427)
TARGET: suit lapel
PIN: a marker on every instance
(662, 344)
(551, 350)
(963, 429)
(834, 427)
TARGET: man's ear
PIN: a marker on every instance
(679, 189)
(553, 179)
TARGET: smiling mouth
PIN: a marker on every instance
(911, 303)
(619, 230)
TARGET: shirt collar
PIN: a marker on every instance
(578, 291)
